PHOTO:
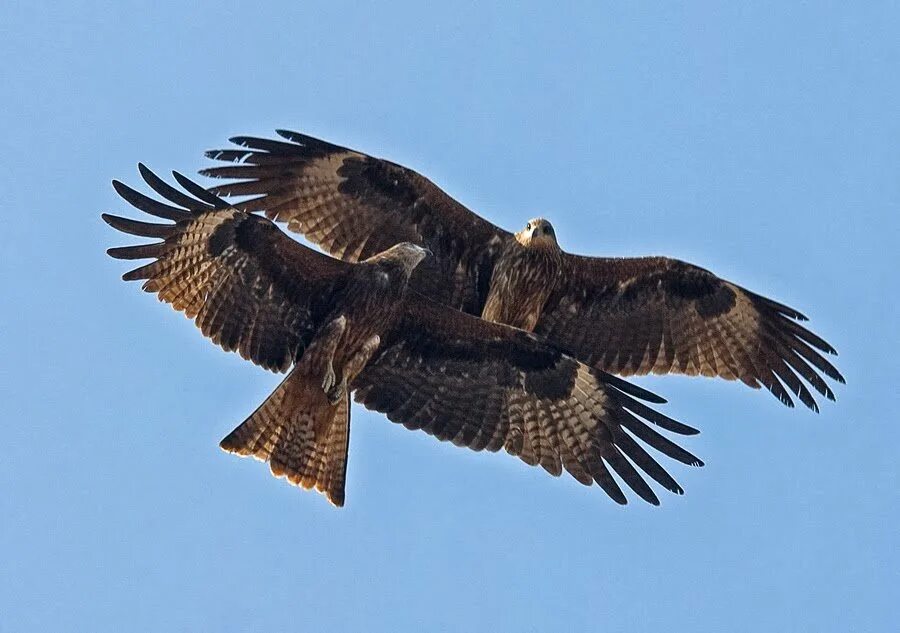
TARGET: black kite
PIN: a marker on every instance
(341, 327)
(623, 315)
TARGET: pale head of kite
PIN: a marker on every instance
(538, 233)
(408, 254)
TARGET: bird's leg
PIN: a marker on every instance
(327, 342)
(351, 368)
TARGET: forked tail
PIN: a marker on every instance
(302, 436)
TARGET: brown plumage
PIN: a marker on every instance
(626, 316)
(341, 327)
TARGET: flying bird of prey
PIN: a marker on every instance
(623, 315)
(341, 327)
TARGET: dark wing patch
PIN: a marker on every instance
(660, 315)
(487, 386)
(246, 285)
(354, 206)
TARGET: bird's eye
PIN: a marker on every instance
(528, 226)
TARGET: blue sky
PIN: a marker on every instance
(760, 142)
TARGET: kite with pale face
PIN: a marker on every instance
(622, 315)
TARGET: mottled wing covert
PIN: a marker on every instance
(487, 386)
(248, 286)
(661, 315)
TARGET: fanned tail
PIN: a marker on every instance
(302, 436)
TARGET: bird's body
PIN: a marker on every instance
(524, 278)
(623, 315)
(312, 404)
(339, 327)
(368, 307)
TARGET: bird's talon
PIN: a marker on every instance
(336, 392)
(329, 379)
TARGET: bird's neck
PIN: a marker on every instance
(543, 252)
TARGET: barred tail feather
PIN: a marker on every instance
(302, 436)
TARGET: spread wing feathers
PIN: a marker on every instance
(247, 286)
(487, 386)
(354, 206)
(660, 315)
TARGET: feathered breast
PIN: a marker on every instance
(523, 281)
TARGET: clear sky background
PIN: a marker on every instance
(761, 142)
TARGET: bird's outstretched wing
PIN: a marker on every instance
(626, 316)
(661, 315)
(489, 386)
(354, 206)
(248, 286)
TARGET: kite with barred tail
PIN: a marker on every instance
(340, 328)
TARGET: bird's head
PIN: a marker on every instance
(409, 255)
(538, 233)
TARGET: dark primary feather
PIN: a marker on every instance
(247, 286)
(660, 315)
(172, 194)
(149, 205)
(200, 192)
(486, 386)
